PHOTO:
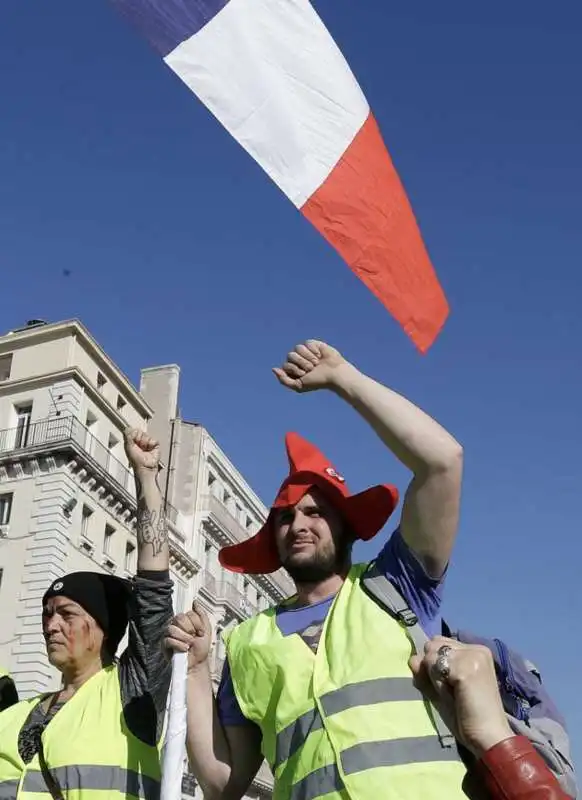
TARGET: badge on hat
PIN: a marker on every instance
(333, 474)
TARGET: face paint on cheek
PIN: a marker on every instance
(70, 639)
(86, 635)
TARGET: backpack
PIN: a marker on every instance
(530, 710)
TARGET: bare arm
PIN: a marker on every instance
(143, 454)
(224, 760)
(430, 513)
(431, 507)
(152, 526)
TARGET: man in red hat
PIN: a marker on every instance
(320, 686)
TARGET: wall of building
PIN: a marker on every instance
(210, 502)
(41, 358)
(12, 555)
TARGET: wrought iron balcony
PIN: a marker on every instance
(221, 592)
(231, 529)
(224, 518)
(67, 433)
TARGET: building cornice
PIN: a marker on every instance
(76, 328)
(229, 473)
(47, 379)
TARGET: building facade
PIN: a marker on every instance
(67, 498)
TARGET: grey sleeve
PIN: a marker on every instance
(144, 671)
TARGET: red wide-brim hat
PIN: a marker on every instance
(365, 513)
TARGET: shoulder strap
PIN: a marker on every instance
(375, 583)
(51, 783)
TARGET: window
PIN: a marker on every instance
(211, 479)
(108, 539)
(120, 403)
(129, 563)
(206, 560)
(101, 381)
(112, 443)
(86, 515)
(248, 523)
(5, 367)
(23, 417)
(90, 425)
(226, 496)
(238, 513)
(5, 508)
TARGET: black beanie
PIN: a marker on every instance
(104, 597)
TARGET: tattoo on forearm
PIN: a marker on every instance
(152, 526)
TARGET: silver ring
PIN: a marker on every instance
(442, 666)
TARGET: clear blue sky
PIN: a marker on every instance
(181, 250)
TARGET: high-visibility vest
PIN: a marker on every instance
(347, 721)
(87, 747)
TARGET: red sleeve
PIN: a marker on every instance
(513, 770)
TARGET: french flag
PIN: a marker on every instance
(271, 73)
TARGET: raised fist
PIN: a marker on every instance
(142, 451)
(310, 366)
(190, 633)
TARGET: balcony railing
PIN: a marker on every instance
(225, 518)
(221, 591)
(215, 508)
(61, 432)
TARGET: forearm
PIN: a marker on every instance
(417, 440)
(513, 770)
(152, 526)
(206, 742)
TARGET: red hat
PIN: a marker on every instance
(365, 513)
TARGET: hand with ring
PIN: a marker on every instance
(460, 681)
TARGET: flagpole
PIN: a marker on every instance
(173, 756)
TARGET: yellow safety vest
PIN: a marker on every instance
(87, 747)
(346, 722)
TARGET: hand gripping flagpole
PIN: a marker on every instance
(173, 757)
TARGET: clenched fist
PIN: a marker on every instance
(466, 696)
(142, 451)
(190, 633)
(310, 366)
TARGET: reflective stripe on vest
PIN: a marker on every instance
(370, 755)
(91, 776)
(366, 693)
(346, 722)
(87, 746)
(8, 789)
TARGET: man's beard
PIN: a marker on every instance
(320, 567)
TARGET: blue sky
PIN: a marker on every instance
(181, 250)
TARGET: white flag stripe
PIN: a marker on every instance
(273, 76)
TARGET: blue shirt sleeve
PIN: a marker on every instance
(422, 593)
(229, 711)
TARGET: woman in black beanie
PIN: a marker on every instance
(101, 730)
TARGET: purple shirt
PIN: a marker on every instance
(422, 593)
